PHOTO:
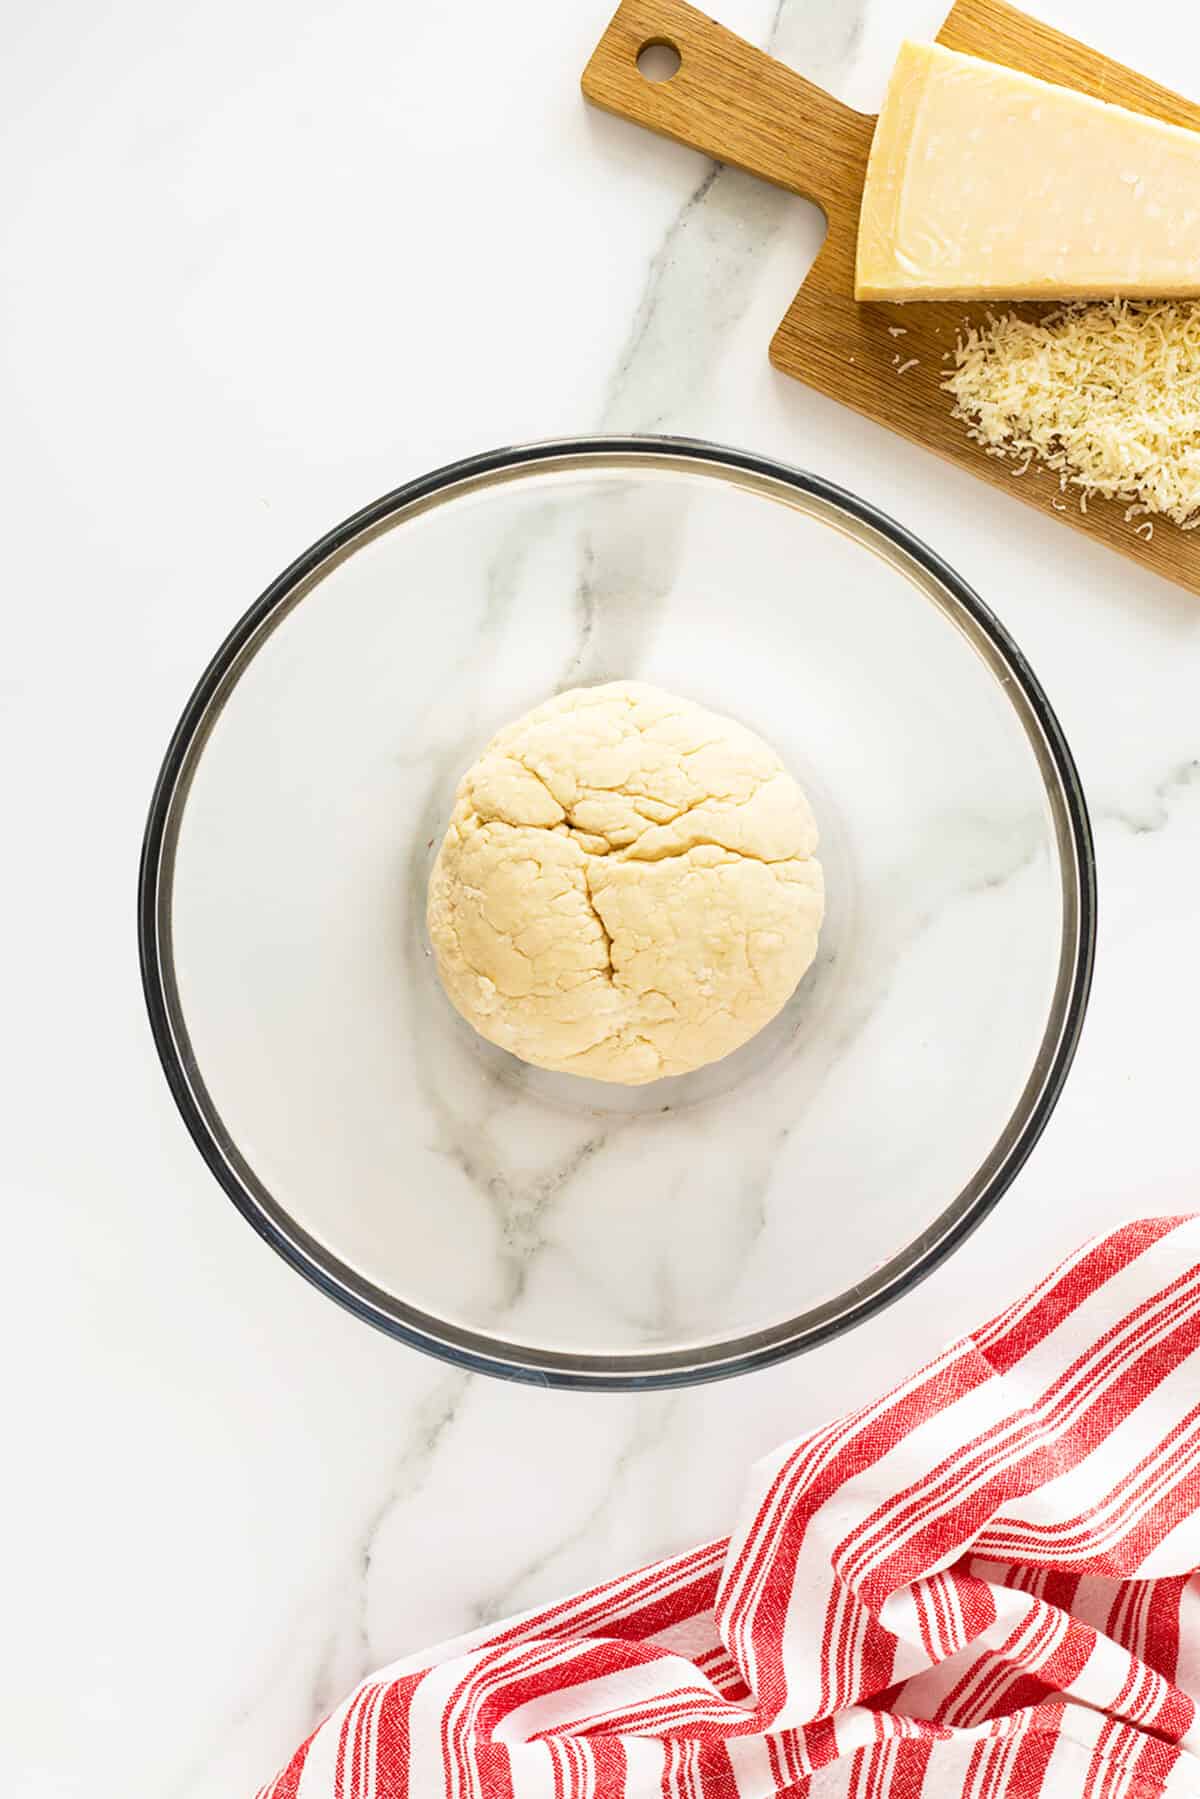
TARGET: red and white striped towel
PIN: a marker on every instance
(982, 1585)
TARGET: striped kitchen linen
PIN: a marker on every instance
(980, 1586)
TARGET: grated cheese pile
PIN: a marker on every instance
(1106, 396)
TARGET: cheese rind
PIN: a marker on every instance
(985, 183)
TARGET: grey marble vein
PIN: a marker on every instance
(326, 1648)
(1156, 811)
(523, 1203)
(702, 275)
(650, 1416)
(435, 1417)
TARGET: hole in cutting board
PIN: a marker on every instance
(658, 60)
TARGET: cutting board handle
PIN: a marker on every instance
(734, 103)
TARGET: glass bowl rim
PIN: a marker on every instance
(476, 1350)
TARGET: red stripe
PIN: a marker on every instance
(287, 1784)
(939, 1647)
(1177, 1503)
(780, 1532)
(1146, 1333)
(1032, 1759)
(558, 1767)
(1118, 1613)
(1154, 1760)
(974, 1768)
(609, 1764)
(1107, 1258)
(854, 1457)
(1156, 1480)
(645, 1609)
(996, 1753)
(920, 1594)
(874, 1775)
(793, 1757)
(1061, 1588)
(602, 1661)
(994, 1698)
(687, 1709)
(343, 1779)
(393, 1738)
(876, 1657)
(966, 1703)
(1059, 1670)
(976, 1603)
(817, 1744)
(1094, 1373)
(961, 1521)
(746, 1560)
(1099, 1772)
(911, 1765)
(471, 1696)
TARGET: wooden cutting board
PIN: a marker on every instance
(740, 106)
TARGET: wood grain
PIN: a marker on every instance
(740, 106)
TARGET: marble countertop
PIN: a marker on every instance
(264, 262)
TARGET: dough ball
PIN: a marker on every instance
(627, 888)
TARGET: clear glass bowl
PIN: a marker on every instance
(540, 1226)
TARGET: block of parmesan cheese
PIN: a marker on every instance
(984, 183)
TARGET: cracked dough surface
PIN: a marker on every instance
(628, 887)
